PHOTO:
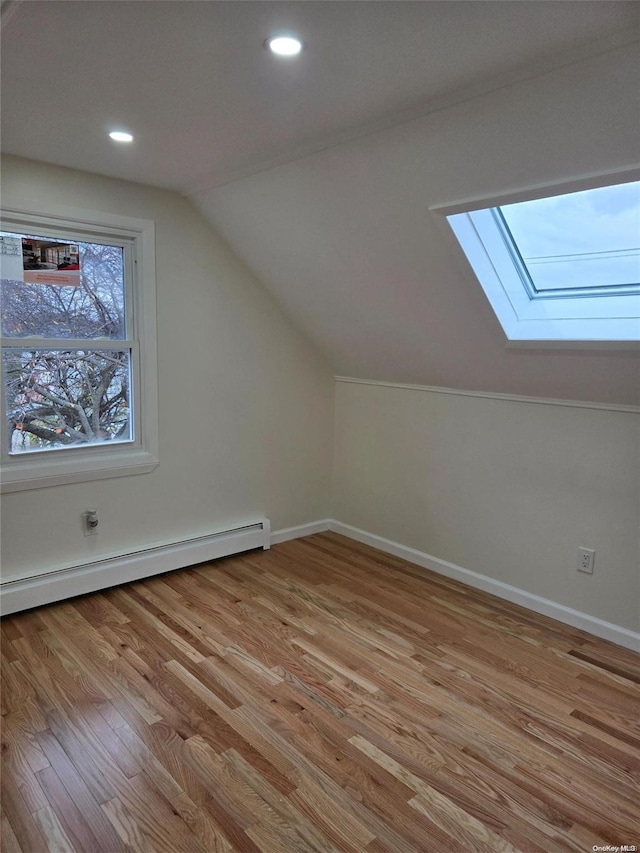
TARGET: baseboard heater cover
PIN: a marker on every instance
(32, 591)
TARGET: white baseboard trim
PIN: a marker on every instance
(25, 592)
(309, 529)
(575, 618)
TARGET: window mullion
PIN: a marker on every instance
(130, 314)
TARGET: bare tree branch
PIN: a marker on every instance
(59, 396)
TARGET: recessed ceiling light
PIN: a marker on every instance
(121, 136)
(284, 45)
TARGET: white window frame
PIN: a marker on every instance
(58, 466)
(569, 318)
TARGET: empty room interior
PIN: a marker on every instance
(320, 449)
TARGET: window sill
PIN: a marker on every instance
(38, 473)
(576, 344)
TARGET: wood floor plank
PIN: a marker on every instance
(20, 819)
(201, 824)
(53, 832)
(457, 823)
(8, 841)
(331, 817)
(76, 829)
(321, 696)
(130, 831)
(80, 794)
(18, 695)
(158, 817)
(19, 770)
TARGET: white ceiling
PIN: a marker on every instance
(320, 171)
(207, 102)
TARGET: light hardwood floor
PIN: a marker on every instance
(319, 696)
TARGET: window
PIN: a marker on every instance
(560, 268)
(78, 347)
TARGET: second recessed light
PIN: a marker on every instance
(284, 45)
(121, 136)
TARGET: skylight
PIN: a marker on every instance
(581, 240)
(562, 268)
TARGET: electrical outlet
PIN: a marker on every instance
(90, 517)
(586, 557)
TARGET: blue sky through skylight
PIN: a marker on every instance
(580, 240)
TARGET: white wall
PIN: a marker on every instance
(505, 488)
(508, 489)
(245, 401)
(377, 279)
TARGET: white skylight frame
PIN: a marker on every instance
(602, 317)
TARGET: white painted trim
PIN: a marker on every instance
(17, 209)
(575, 618)
(26, 591)
(590, 181)
(78, 464)
(309, 529)
(32, 591)
(490, 395)
(544, 606)
(58, 472)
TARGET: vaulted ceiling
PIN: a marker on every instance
(323, 172)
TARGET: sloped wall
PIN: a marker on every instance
(345, 237)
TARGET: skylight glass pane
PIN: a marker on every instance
(588, 239)
(66, 398)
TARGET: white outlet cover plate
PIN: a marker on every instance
(586, 559)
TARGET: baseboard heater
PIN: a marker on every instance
(28, 591)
